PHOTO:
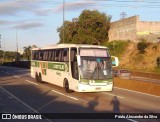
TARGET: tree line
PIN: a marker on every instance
(9, 56)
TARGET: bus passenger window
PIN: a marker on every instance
(65, 55)
(50, 55)
(36, 55)
(53, 55)
(33, 55)
(60, 56)
(57, 55)
(45, 56)
(40, 55)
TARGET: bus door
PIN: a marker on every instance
(74, 65)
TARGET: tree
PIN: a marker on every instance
(27, 52)
(91, 27)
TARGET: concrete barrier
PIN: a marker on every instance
(140, 86)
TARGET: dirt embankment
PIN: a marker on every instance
(132, 59)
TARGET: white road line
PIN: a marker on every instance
(132, 120)
(7, 73)
(21, 101)
(18, 99)
(64, 95)
(31, 82)
(113, 95)
(16, 76)
(45, 105)
(137, 92)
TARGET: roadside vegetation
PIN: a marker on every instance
(117, 47)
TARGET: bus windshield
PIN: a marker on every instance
(95, 64)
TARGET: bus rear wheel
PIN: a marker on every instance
(40, 78)
(37, 78)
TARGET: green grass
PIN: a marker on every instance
(116, 47)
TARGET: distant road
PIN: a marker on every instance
(148, 77)
(145, 79)
(22, 94)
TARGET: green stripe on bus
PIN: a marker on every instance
(54, 66)
(35, 64)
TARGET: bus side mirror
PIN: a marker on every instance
(79, 60)
(115, 61)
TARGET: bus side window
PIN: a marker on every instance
(40, 55)
(53, 55)
(60, 56)
(66, 55)
(57, 55)
(33, 55)
(50, 55)
(36, 55)
(45, 56)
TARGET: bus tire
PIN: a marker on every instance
(66, 86)
(36, 76)
(40, 78)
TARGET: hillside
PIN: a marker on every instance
(132, 59)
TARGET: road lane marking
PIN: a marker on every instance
(16, 76)
(113, 95)
(31, 82)
(137, 92)
(132, 120)
(22, 102)
(64, 95)
(6, 73)
(18, 99)
(45, 105)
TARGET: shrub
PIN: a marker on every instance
(141, 46)
(116, 47)
(158, 62)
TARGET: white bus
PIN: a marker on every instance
(80, 68)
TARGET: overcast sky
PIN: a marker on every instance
(37, 21)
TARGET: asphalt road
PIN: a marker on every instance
(19, 93)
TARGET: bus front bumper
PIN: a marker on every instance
(94, 88)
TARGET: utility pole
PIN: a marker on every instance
(0, 40)
(4, 53)
(3, 49)
(16, 46)
(63, 18)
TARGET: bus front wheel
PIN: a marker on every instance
(66, 86)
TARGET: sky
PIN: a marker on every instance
(35, 22)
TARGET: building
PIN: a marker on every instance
(132, 29)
